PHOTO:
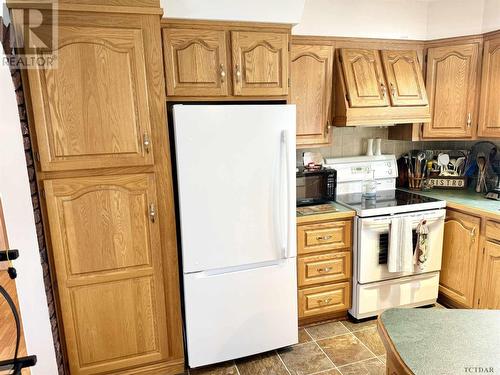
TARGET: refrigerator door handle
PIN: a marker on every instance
(286, 189)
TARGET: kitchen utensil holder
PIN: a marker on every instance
(415, 183)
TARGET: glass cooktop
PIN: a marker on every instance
(389, 202)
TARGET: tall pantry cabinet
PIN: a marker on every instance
(99, 130)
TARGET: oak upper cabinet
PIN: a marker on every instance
(451, 87)
(195, 62)
(92, 109)
(107, 253)
(311, 91)
(489, 110)
(260, 63)
(490, 277)
(364, 78)
(460, 253)
(404, 77)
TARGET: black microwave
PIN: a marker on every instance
(315, 186)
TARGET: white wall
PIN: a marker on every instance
(448, 18)
(491, 15)
(394, 19)
(20, 223)
(280, 11)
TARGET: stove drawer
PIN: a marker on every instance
(324, 299)
(324, 236)
(317, 269)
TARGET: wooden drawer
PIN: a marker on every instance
(493, 230)
(317, 269)
(326, 236)
(324, 299)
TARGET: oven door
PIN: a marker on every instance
(373, 241)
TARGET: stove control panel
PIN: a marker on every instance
(364, 167)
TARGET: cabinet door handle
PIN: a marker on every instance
(323, 238)
(469, 120)
(393, 90)
(146, 142)
(326, 269)
(222, 73)
(384, 89)
(473, 234)
(152, 212)
(238, 73)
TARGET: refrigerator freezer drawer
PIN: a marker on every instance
(236, 314)
(405, 292)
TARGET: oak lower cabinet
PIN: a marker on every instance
(108, 257)
(324, 269)
(489, 107)
(211, 59)
(470, 270)
(489, 280)
(311, 91)
(460, 254)
(452, 78)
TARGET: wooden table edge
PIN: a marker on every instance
(394, 362)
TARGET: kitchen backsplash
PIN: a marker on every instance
(351, 141)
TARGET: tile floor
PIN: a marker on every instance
(332, 348)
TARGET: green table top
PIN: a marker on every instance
(442, 341)
(464, 197)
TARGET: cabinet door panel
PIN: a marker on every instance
(260, 63)
(489, 112)
(364, 79)
(404, 77)
(490, 277)
(460, 251)
(451, 87)
(195, 62)
(108, 264)
(311, 91)
(91, 110)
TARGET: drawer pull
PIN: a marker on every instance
(326, 269)
(324, 238)
(324, 301)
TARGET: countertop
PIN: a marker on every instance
(465, 199)
(442, 341)
(328, 211)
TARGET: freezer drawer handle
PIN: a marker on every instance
(326, 269)
(324, 238)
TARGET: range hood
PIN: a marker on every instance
(375, 87)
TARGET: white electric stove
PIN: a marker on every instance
(374, 287)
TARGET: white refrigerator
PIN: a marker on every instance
(236, 191)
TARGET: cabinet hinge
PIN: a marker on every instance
(484, 249)
(288, 81)
(42, 193)
(340, 58)
(37, 156)
(289, 46)
(347, 97)
(478, 301)
(425, 58)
